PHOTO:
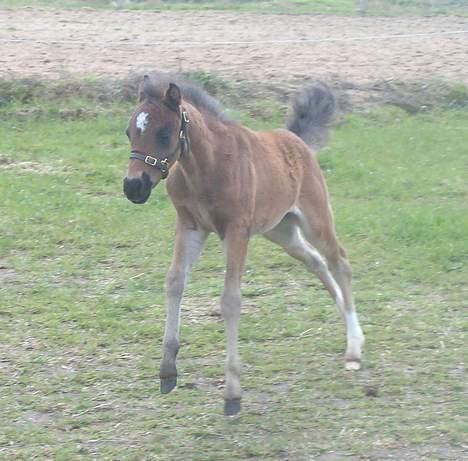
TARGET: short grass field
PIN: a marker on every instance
(82, 303)
(340, 7)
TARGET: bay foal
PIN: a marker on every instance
(225, 178)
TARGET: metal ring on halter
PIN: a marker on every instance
(161, 164)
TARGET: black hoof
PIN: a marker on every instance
(232, 407)
(167, 384)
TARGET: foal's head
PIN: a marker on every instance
(156, 132)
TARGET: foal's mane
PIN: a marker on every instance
(158, 82)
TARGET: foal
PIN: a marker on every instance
(225, 178)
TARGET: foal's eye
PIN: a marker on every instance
(163, 137)
(127, 132)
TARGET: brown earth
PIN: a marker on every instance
(52, 43)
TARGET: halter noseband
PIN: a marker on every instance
(162, 164)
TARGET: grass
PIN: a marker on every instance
(82, 303)
(341, 7)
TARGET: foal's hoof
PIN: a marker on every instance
(353, 364)
(232, 407)
(167, 384)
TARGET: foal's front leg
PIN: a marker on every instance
(188, 245)
(235, 247)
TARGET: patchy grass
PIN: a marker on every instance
(82, 303)
(74, 97)
(341, 7)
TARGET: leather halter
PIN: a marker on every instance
(162, 164)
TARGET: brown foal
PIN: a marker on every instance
(225, 178)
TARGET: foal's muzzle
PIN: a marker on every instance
(138, 190)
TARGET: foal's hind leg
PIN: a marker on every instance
(289, 235)
(324, 239)
(341, 270)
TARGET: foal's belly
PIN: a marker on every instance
(219, 219)
(265, 222)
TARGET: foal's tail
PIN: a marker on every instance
(310, 113)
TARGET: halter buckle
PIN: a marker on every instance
(185, 116)
(151, 160)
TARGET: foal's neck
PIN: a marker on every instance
(199, 159)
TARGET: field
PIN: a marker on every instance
(363, 57)
(82, 269)
(82, 303)
(347, 7)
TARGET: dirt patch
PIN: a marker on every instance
(27, 167)
(36, 417)
(198, 309)
(6, 273)
(357, 52)
(426, 453)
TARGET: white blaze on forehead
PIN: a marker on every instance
(142, 121)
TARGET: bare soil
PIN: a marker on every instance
(52, 43)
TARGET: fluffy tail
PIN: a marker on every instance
(310, 113)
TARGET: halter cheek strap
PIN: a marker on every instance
(162, 164)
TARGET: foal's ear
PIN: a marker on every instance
(145, 90)
(173, 96)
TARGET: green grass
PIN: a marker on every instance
(82, 303)
(341, 7)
